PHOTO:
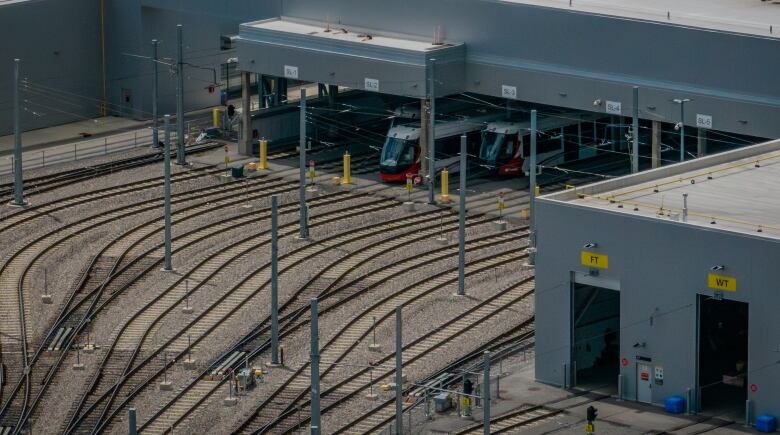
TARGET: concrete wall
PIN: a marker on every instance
(570, 59)
(59, 45)
(660, 267)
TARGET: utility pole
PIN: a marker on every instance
(399, 380)
(462, 220)
(532, 186)
(432, 138)
(304, 224)
(274, 280)
(18, 181)
(635, 133)
(155, 133)
(315, 370)
(167, 157)
(180, 157)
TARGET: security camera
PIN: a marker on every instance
(590, 245)
(678, 126)
(717, 268)
(638, 344)
(597, 102)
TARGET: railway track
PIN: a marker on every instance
(14, 274)
(516, 339)
(219, 311)
(45, 183)
(275, 411)
(330, 281)
(125, 264)
(514, 420)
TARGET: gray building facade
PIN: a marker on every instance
(662, 270)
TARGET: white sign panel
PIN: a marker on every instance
(614, 108)
(372, 85)
(290, 72)
(703, 121)
(509, 92)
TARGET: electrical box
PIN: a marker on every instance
(659, 375)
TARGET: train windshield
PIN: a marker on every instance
(493, 145)
(397, 152)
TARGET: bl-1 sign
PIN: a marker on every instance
(290, 72)
(593, 260)
(721, 282)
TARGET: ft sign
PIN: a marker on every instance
(594, 260)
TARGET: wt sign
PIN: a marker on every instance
(614, 108)
(509, 92)
(703, 121)
(372, 85)
(290, 72)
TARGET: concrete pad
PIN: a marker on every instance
(165, 386)
(78, 366)
(46, 299)
(230, 401)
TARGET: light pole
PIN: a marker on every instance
(681, 125)
(18, 181)
(180, 157)
(155, 134)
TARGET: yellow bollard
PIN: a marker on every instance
(347, 178)
(538, 190)
(263, 164)
(216, 117)
(445, 185)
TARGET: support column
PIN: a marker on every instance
(132, 428)
(701, 144)
(424, 131)
(486, 395)
(655, 156)
(333, 92)
(432, 138)
(245, 144)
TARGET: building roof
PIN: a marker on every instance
(338, 33)
(741, 16)
(733, 191)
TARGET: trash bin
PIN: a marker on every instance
(674, 405)
(766, 423)
(442, 402)
(237, 171)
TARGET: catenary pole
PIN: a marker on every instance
(462, 220)
(18, 181)
(635, 133)
(532, 187)
(432, 138)
(274, 280)
(155, 94)
(315, 370)
(399, 410)
(304, 224)
(167, 188)
(180, 157)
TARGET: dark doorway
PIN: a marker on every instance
(595, 338)
(723, 355)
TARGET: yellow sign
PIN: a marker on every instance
(722, 282)
(227, 160)
(588, 428)
(500, 204)
(591, 259)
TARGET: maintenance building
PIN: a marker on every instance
(665, 283)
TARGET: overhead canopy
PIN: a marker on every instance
(356, 58)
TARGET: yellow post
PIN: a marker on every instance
(263, 155)
(537, 190)
(445, 185)
(216, 117)
(347, 178)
